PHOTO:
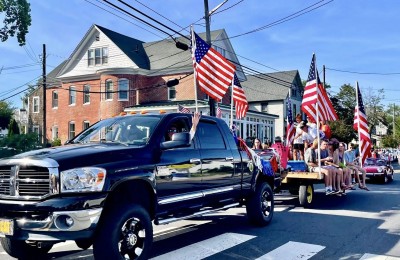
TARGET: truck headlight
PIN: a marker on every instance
(85, 179)
(380, 169)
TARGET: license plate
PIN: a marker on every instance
(6, 227)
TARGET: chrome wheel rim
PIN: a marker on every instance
(132, 239)
(266, 203)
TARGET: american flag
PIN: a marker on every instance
(290, 129)
(240, 99)
(183, 109)
(315, 95)
(361, 126)
(219, 112)
(214, 73)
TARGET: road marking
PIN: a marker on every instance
(207, 247)
(378, 257)
(292, 250)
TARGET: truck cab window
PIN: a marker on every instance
(210, 136)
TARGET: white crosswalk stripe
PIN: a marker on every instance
(292, 250)
(378, 257)
(207, 247)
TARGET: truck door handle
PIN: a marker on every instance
(229, 159)
(195, 161)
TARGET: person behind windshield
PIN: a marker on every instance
(174, 129)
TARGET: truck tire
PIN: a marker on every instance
(306, 195)
(23, 250)
(126, 232)
(260, 207)
(84, 243)
(384, 178)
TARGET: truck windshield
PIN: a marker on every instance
(130, 130)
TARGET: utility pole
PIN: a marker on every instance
(394, 126)
(44, 140)
(208, 40)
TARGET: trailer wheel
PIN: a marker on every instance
(306, 195)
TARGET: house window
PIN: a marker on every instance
(35, 129)
(97, 56)
(90, 57)
(294, 110)
(71, 130)
(109, 89)
(35, 104)
(86, 125)
(171, 93)
(294, 92)
(72, 95)
(54, 132)
(264, 107)
(54, 100)
(220, 50)
(86, 94)
(123, 88)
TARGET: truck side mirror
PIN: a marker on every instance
(178, 140)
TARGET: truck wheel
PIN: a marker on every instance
(260, 207)
(384, 178)
(306, 195)
(125, 233)
(390, 176)
(22, 250)
(84, 243)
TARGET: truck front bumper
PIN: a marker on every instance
(68, 219)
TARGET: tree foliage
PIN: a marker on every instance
(17, 19)
(6, 112)
(390, 141)
(13, 128)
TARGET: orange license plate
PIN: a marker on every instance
(6, 227)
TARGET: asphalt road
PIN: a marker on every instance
(362, 225)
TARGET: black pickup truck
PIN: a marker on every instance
(108, 185)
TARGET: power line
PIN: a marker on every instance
(364, 73)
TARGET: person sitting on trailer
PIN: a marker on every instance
(312, 163)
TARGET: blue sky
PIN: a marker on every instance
(357, 35)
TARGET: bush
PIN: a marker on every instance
(56, 142)
(19, 144)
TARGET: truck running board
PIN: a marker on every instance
(197, 214)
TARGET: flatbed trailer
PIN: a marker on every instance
(301, 183)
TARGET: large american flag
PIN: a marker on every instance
(239, 98)
(361, 126)
(214, 73)
(315, 95)
(183, 109)
(290, 129)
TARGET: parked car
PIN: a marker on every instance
(110, 183)
(379, 169)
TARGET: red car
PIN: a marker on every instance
(379, 169)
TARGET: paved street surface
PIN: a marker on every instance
(362, 225)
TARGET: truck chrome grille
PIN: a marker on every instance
(21, 181)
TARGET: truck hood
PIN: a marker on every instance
(76, 155)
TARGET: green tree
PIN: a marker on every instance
(17, 19)
(6, 112)
(13, 128)
(390, 141)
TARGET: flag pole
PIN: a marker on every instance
(231, 121)
(194, 69)
(358, 125)
(317, 119)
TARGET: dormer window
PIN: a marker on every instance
(97, 56)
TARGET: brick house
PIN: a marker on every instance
(108, 72)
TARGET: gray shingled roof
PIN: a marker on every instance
(269, 86)
(164, 54)
(132, 47)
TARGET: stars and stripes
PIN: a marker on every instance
(316, 96)
(290, 129)
(361, 126)
(239, 99)
(214, 73)
(183, 109)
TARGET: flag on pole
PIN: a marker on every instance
(315, 95)
(183, 109)
(239, 98)
(219, 112)
(290, 129)
(214, 73)
(361, 126)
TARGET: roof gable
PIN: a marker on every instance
(270, 86)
